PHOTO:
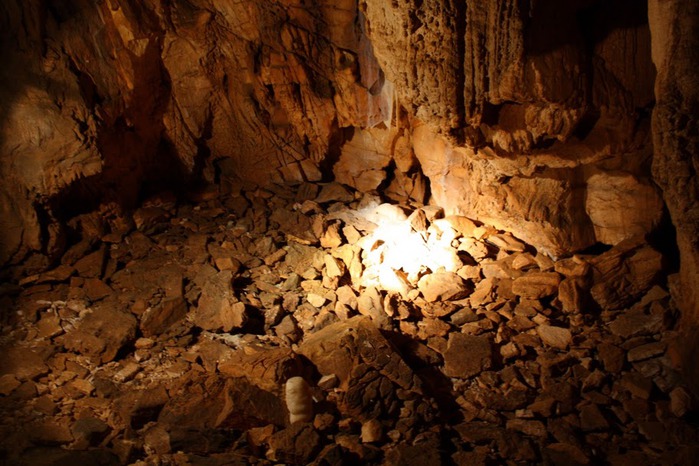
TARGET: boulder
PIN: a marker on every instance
(373, 378)
(443, 286)
(158, 319)
(536, 285)
(102, 333)
(218, 308)
(265, 367)
(624, 273)
(467, 355)
(557, 337)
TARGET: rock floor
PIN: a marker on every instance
(167, 337)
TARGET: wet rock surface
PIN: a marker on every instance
(481, 350)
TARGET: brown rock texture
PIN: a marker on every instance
(515, 127)
(135, 94)
(471, 105)
(499, 374)
(525, 124)
(676, 148)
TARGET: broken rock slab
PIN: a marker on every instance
(296, 226)
(266, 367)
(18, 364)
(637, 322)
(622, 274)
(211, 403)
(443, 286)
(218, 307)
(467, 355)
(158, 319)
(374, 380)
(297, 444)
(8, 383)
(536, 285)
(339, 347)
(102, 333)
(557, 337)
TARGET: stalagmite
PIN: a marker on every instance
(299, 401)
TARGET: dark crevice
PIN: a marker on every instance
(338, 137)
(586, 124)
(390, 176)
(664, 239)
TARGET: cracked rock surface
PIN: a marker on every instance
(171, 342)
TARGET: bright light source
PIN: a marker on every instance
(395, 255)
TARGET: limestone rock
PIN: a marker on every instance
(331, 237)
(218, 308)
(89, 430)
(295, 225)
(59, 274)
(673, 37)
(463, 225)
(565, 453)
(570, 295)
(443, 286)
(680, 401)
(467, 355)
(366, 364)
(157, 440)
(21, 364)
(535, 285)
(334, 192)
(372, 431)
(649, 350)
(102, 333)
(138, 407)
(297, 444)
(557, 337)
(373, 148)
(225, 404)
(334, 350)
(265, 367)
(483, 292)
(506, 243)
(370, 303)
(624, 273)
(158, 319)
(612, 357)
(636, 322)
(8, 383)
(426, 452)
(51, 432)
(502, 207)
(621, 207)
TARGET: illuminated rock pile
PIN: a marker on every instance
(167, 337)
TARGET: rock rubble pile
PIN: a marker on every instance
(168, 337)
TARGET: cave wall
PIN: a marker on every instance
(538, 119)
(106, 102)
(674, 27)
(533, 116)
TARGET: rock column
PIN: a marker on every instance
(674, 28)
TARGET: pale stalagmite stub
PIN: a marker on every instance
(299, 401)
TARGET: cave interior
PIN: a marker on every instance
(349, 232)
